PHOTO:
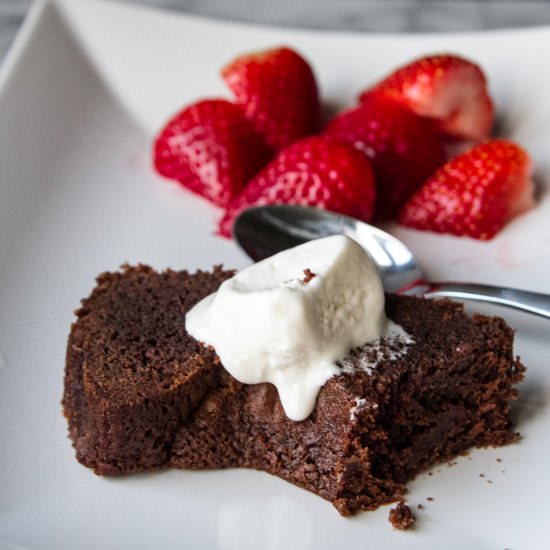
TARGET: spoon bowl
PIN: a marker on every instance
(266, 230)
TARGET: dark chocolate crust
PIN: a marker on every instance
(141, 394)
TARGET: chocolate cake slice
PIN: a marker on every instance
(141, 394)
(133, 374)
(395, 409)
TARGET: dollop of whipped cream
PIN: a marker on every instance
(289, 318)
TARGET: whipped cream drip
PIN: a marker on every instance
(288, 319)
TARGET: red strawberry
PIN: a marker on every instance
(474, 194)
(404, 149)
(278, 92)
(448, 88)
(315, 171)
(210, 148)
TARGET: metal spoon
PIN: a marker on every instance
(263, 231)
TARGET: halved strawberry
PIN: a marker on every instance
(448, 88)
(278, 92)
(474, 194)
(315, 171)
(211, 149)
(404, 149)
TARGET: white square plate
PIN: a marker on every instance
(81, 95)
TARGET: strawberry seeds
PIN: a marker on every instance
(386, 158)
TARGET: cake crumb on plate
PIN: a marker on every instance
(401, 517)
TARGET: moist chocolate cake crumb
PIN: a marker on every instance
(141, 394)
(401, 517)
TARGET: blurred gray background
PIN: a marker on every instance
(353, 15)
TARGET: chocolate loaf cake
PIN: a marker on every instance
(142, 394)
(391, 413)
(133, 374)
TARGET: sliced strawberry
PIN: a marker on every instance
(278, 92)
(446, 87)
(474, 194)
(211, 149)
(315, 171)
(404, 149)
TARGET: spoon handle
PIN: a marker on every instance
(524, 300)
